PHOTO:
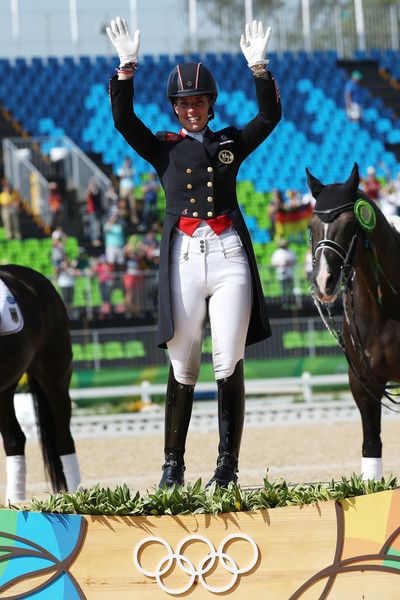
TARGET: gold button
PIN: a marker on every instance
(195, 214)
(188, 170)
(210, 169)
(209, 214)
(209, 183)
(189, 186)
(209, 198)
(193, 200)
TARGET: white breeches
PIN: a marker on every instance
(208, 272)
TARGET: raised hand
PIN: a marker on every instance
(254, 43)
(126, 47)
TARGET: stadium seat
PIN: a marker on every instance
(134, 349)
(314, 132)
(113, 351)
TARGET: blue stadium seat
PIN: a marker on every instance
(314, 131)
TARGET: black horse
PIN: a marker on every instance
(42, 349)
(356, 257)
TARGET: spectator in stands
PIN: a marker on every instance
(111, 197)
(82, 262)
(105, 275)
(58, 254)
(308, 199)
(56, 206)
(124, 213)
(283, 260)
(276, 204)
(148, 245)
(94, 211)
(114, 238)
(10, 208)
(133, 276)
(126, 173)
(207, 263)
(353, 97)
(150, 191)
(371, 184)
(393, 192)
(308, 264)
(66, 283)
(293, 200)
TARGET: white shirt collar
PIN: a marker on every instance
(197, 135)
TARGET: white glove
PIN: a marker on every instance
(120, 38)
(254, 45)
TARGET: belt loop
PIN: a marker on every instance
(222, 246)
(187, 242)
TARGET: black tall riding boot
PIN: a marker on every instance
(178, 410)
(230, 421)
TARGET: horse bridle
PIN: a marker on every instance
(328, 244)
(345, 281)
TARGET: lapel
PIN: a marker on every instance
(211, 142)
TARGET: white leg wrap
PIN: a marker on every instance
(71, 471)
(371, 468)
(16, 478)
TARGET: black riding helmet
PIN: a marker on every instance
(192, 79)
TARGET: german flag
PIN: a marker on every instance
(292, 221)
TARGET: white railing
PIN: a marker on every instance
(298, 386)
(268, 402)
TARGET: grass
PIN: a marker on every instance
(195, 499)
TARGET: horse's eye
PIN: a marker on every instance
(349, 227)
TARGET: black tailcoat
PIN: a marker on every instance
(199, 180)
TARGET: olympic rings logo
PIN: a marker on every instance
(205, 565)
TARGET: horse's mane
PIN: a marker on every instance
(392, 228)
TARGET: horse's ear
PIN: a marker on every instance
(314, 184)
(354, 179)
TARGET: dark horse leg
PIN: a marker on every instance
(14, 446)
(50, 389)
(370, 411)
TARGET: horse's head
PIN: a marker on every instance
(341, 212)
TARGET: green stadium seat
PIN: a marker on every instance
(117, 296)
(45, 243)
(32, 244)
(113, 350)
(134, 349)
(78, 352)
(93, 351)
(71, 247)
(95, 292)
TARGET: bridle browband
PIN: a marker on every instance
(347, 274)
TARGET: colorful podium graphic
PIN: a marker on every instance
(330, 550)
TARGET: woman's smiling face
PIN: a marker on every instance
(192, 112)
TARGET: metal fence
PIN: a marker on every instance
(30, 163)
(91, 298)
(136, 347)
(177, 26)
(27, 179)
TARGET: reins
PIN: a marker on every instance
(346, 278)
